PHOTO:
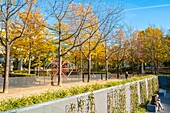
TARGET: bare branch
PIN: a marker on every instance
(23, 29)
(79, 29)
(2, 42)
(1, 10)
(15, 10)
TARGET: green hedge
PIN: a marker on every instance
(14, 103)
(20, 71)
(15, 71)
(1, 72)
(20, 75)
(163, 75)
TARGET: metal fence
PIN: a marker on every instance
(20, 82)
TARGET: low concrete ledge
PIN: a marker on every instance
(151, 108)
(162, 93)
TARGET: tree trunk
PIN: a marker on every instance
(59, 56)
(157, 66)
(20, 64)
(75, 63)
(29, 60)
(89, 68)
(60, 71)
(132, 64)
(106, 61)
(95, 64)
(6, 73)
(81, 66)
(142, 68)
(152, 68)
(38, 70)
(155, 70)
(117, 71)
(29, 65)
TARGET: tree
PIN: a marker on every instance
(110, 50)
(9, 10)
(133, 52)
(98, 58)
(88, 48)
(36, 34)
(109, 22)
(65, 29)
(121, 45)
(154, 51)
(166, 43)
(70, 20)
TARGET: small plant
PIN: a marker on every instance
(119, 101)
(81, 103)
(155, 85)
(110, 101)
(134, 97)
(143, 92)
(150, 89)
(92, 107)
(71, 108)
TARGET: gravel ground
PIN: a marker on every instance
(26, 91)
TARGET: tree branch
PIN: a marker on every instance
(22, 31)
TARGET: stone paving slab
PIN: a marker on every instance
(166, 103)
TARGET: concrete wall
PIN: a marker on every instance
(100, 99)
(164, 81)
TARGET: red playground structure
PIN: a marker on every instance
(66, 71)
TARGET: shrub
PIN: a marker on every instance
(20, 74)
(19, 71)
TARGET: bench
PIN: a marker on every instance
(151, 108)
(162, 93)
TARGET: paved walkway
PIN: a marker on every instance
(165, 102)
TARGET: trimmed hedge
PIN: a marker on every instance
(163, 75)
(20, 75)
(15, 71)
(20, 71)
(14, 103)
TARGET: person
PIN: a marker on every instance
(156, 101)
(126, 75)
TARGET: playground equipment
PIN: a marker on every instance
(66, 71)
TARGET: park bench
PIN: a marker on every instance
(151, 108)
(162, 93)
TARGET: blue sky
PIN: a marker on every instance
(142, 13)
